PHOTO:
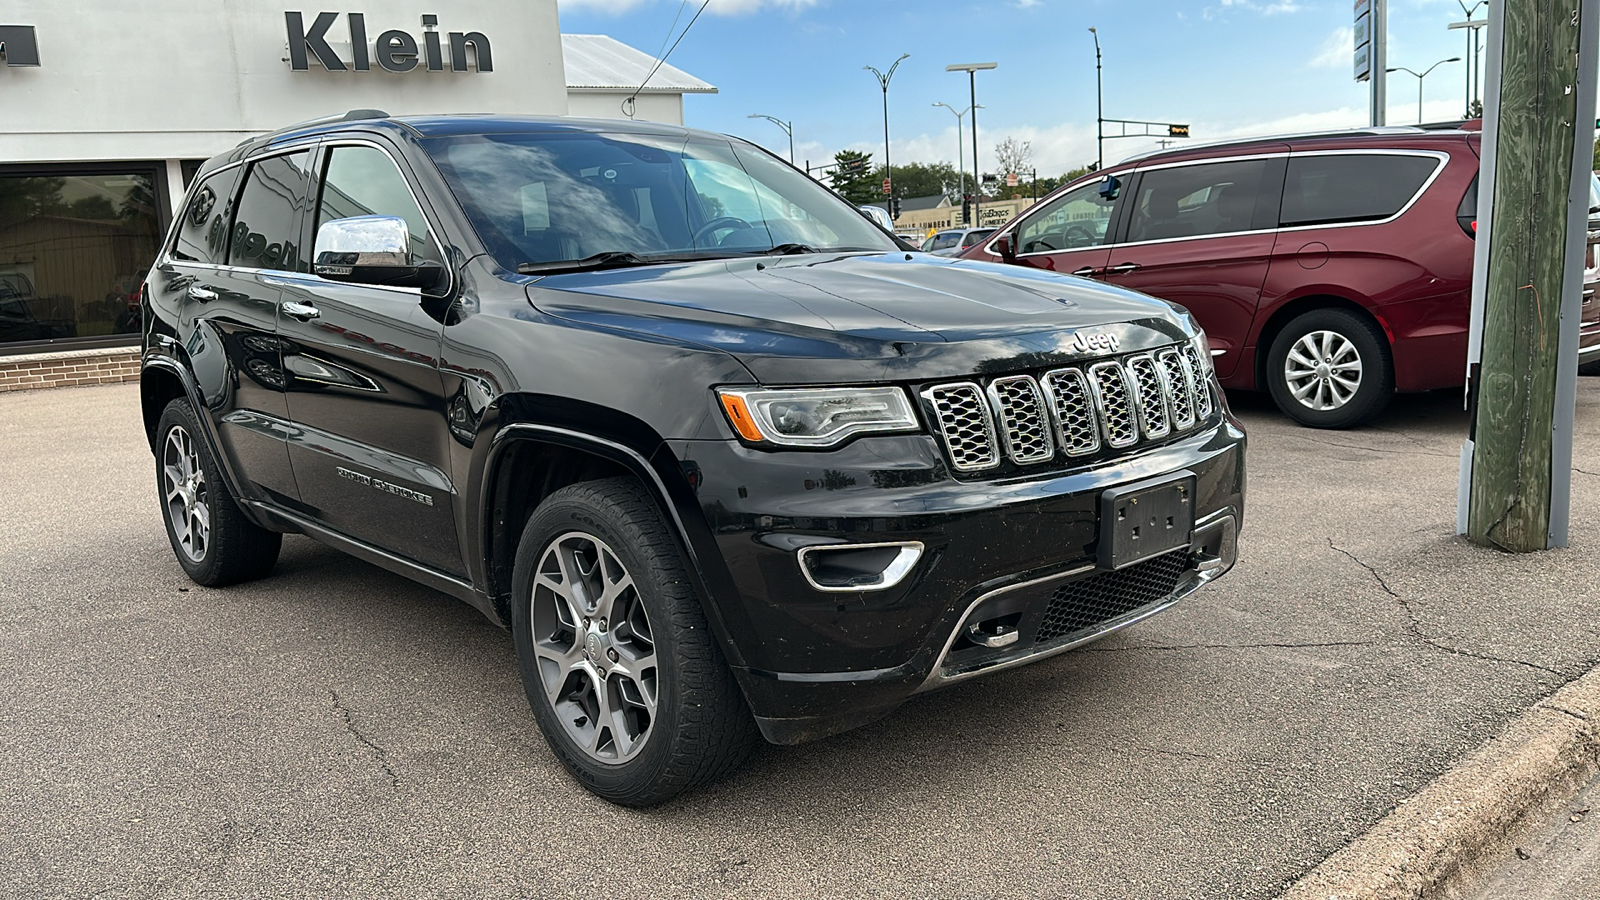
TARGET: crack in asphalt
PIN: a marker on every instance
(1181, 754)
(1414, 625)
(1586, 472)
(1314, 440)
(1561, 709)
(1226, 646)
(380, 754)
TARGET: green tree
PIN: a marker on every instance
(853, 178)
(920, 180)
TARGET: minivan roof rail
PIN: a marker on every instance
(354, 115)
(1299, 135)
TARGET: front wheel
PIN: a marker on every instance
(1330, 368)
(624, 677)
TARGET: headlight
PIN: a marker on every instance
(815, 417)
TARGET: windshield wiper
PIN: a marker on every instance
(610, 259)
(786, 249)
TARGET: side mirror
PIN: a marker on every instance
(371, 250)
(1005, 246)
(1109, 186)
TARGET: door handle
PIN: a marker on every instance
(201, 294)
(1085, 272)
(302, 311)
(1123, 269)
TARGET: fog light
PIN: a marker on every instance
(858, 567)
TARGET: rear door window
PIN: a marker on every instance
(1198, 200)
(266, 230)
(1325, 189)
(203, 228)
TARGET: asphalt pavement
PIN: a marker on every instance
(335, 730)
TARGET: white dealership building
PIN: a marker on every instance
(109, 106)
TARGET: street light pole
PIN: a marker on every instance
(788, 128)
(961, 160)
(1472, 47)
(1099, 107)
(972, 70)
(888, 171)
(1420, 76)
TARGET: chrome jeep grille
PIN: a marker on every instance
(964, 422)
(1075, 411)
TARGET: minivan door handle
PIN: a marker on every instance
(1085, 272)
(199, 293)
(1123, 269)
(302, 311)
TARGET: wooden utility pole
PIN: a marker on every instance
(1527, 272)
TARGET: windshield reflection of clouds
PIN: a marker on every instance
(541, 197)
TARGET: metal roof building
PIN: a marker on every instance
(603, 73)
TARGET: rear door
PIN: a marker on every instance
(241, 226)
(365, 393)
(1200, 234)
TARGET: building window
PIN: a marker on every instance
(75, 243)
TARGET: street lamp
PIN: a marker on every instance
(961, 162)
(1421, 75)
(972, 70)
(1099, 107)
(788, 128)
(1472, 47)
(888, 173)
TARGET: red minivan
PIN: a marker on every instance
(1330, 270)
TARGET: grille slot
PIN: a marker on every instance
(965, 424)
(1202, 394)
(1073, 409)
(1180, 387)
(1116, 411)
(1087, 604)
(1023, 423)
(1149, 397)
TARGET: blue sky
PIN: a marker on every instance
(1227, 67)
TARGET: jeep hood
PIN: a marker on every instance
(859, 317)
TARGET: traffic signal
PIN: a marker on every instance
(966, 207)
(1177, 131)
(894, 207)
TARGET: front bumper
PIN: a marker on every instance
(1015, 553)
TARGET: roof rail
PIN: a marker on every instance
(354, 115)
(1298, 135)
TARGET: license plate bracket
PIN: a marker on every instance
(1145, 519)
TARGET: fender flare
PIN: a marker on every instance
(711, 579)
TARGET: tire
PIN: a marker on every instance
(1590, 368)
(214, 542)
(590, 664)
(1352, 391)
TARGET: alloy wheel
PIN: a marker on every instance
(187, 496)
(594, 646)
(1323, 370)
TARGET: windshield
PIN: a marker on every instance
(554, 197)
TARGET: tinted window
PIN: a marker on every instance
(266, 229)
(1078, 218)
(945, 240)
(1351, 188)
(976, 237)
(363, 181)
(203, 227)
(1191, 201)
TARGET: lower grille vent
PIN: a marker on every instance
(1093, 601)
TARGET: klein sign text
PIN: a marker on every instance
(395, 50)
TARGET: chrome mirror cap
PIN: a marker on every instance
(345, 246)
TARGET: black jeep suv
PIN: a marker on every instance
(722, 454)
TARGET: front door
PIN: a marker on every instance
(1200, 235)
(370, 450)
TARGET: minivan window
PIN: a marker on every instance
(1078, 218)
(363, 181)
(266, 230)
(1324, 189)
(1192, 201)
(203, 227)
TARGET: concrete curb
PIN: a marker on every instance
(1438, 842)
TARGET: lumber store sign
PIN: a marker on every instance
(394, 50)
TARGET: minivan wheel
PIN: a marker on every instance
(1330, 368)
(214, 542)
(623, 675)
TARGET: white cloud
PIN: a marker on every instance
(1269, 8)
(717, 7)
(1337, 52)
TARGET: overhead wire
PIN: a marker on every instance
(661, 59)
